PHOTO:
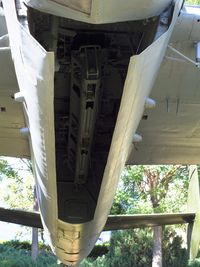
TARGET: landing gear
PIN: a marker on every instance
(84, 101)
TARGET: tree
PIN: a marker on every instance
(193, 2)
(133, 248)
(18, 191)
(34, 244)
(146, 189)
(17, 185)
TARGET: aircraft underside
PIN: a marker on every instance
(91, 62)
(82, 105)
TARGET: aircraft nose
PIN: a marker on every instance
(71, 263)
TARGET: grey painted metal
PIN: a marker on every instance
(83, 6)
(104, 11)
(12, 142)
(25, 218)
(146, 220)
(73, 242)
(197, 46)
(119, 222)
(171, 131)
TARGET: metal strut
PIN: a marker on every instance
(86, 77)
(197, 64)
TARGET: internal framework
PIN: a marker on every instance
(91, 63)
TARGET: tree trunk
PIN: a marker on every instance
(157, 246)
(34, 245)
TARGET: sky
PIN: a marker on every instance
(10, 231)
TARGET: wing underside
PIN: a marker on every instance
(119, 222)
(170, 131)
(12, 142)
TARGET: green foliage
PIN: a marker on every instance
(133, 248)
(142, 185)
(16, 191)
(15, 252)
(195, 263)
(99, 262)
(130, 248)
(17, 186)
(12, 257)
(193, 2)
(147, 189)
(98, 251)
(17, 244)
(173, 253)
(6, 170)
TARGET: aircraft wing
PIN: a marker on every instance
(122, 222)
(25, 218)
(12, 142)
(119, 222)
(170, 131)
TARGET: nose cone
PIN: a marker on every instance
(70, 262)
(69, 258)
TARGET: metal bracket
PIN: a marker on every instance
(196, 63)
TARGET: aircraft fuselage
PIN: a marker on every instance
(84, 78)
